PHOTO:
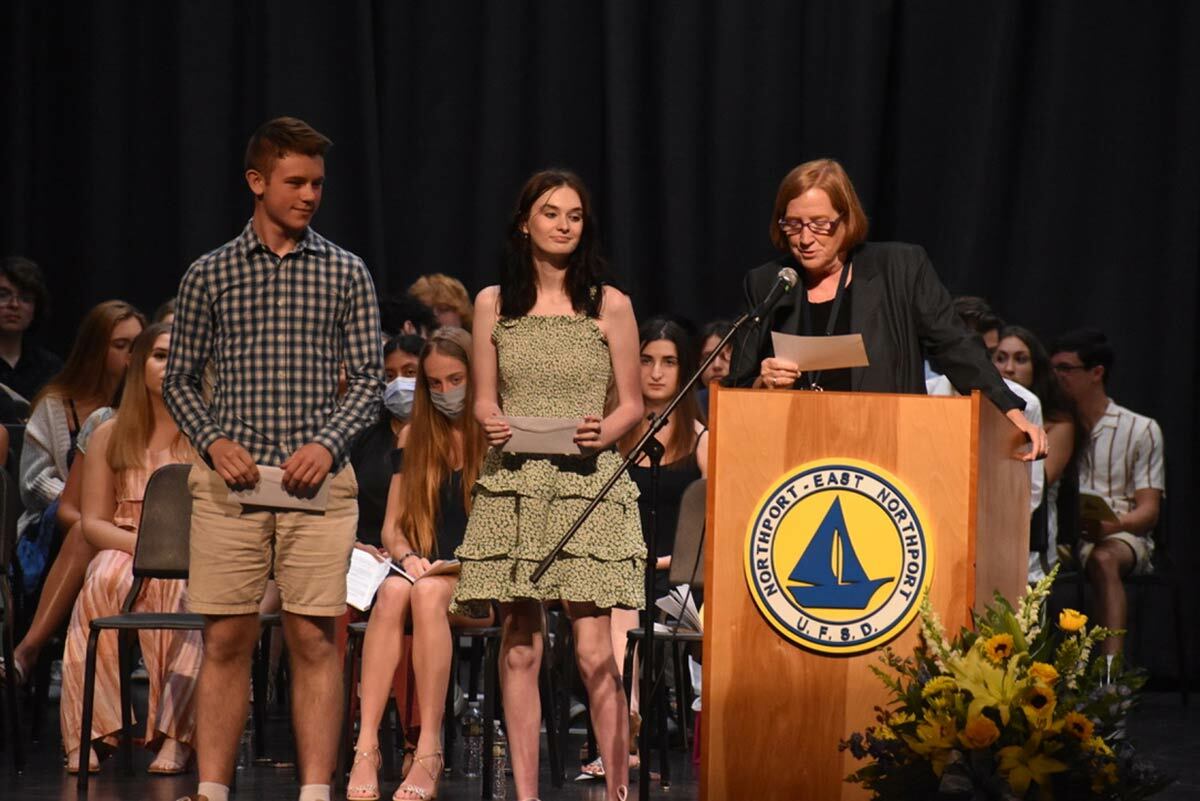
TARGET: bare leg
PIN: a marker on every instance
(520, 659)
(1106, 564)
(606, 695)
(62, 586)
(381, 654)
(622, 620)
(223, 693)
(316, 694)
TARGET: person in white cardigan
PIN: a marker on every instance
(89, 379)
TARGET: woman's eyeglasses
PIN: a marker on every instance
(792, 226)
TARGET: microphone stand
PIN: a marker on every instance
(652, 449)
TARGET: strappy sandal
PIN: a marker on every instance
(365, 792)
(169, 764)
(415, 793)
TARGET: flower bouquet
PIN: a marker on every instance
(1016, 709)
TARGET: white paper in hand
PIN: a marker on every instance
(820, 353)
(269, 493)
(363, 578)
(543, 435)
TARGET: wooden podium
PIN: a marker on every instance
(774, 711)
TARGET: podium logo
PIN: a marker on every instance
(837, 558)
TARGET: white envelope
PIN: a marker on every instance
(821, 353)
(543, 435)
(269, 493)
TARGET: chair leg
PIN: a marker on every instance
(260, 675)
(1180, 640)
(549, 711)
(449, 730)
(10, 694)
(491, 687)
(345, 744)
(85, 728)
(681, 704)
(125, 662)
(387, 739)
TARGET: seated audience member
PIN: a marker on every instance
(1122, 462)
(65, 577)
(404, 314)
(1020, 357)
(371, 453)
(24, 305)
(428, 503)
(447, 297)
(666, 361)
(977, 316)
(89, 380)
(165, 313)
(125, 452)
(711, 336)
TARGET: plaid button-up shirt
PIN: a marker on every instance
(276, 331)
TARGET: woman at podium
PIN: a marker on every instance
(885, 291)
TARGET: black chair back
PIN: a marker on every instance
(687, 560)
(16, 441)
(10, 513)
(164, 533)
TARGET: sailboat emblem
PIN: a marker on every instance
(837, 557)
(829, 574)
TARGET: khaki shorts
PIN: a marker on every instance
(1142, 547)
(233, 552)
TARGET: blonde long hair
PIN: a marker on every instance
(83, 376)
(135, 419)
(429, 452)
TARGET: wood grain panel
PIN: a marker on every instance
(773, 711)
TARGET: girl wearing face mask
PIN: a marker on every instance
(440, 453)
(371, 453)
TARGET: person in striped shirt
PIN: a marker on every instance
(1122, 462)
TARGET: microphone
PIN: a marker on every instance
(786, 279)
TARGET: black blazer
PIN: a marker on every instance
(904, 315)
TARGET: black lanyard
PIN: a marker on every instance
(814, 378)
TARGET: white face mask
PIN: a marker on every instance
(451, 402)
(398, 397)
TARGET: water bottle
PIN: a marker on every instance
(499, 765)
(472, 727)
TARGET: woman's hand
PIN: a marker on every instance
(778, 373)
(414, 565)
(587, 436)
(497, 431)
(1040, 445)
(380, 554)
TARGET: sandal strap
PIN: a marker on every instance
(420, 792)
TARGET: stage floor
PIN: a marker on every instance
(1162, 728)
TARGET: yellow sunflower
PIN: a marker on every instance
(1039, 706)
(998, 648)
(1097, 746)
(939, 685)
(1071, 620)
(980, 732)
(1043, 673)
(1079, 726)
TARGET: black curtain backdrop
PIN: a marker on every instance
(1045, 153)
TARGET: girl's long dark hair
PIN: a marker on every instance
(1056, 405)
(586, 268)
(683, 431)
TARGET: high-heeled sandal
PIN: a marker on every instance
(365, 792)
(169, 763)
(416, 793)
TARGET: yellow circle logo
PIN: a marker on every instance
(837, 557)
